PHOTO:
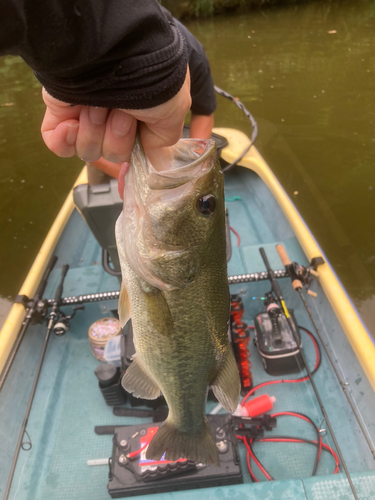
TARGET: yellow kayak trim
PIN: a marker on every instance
(347, 315)
(13, 323)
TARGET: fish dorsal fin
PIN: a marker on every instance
(138, 382)
(123, 306)
(226, 386)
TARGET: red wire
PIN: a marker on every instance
(296, 440)
(320, 443)
(136, 452)
(298, 415)
(238, 236)
(278, 414)
(251, 454)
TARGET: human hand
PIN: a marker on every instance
(92, 133)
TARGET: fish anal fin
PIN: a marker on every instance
(123, 306)
(226, 386)
(138, 382)
(199, 447)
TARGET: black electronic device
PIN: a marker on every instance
(109, 377)
(276, 343)
(138, 476)
(276, 331)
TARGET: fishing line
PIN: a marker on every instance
(254, 124)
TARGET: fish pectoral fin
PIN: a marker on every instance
(158, 311)
(123, 306)
(226, 386)
(138, 382)
(199, 447)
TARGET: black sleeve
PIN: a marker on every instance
(109, 53)
(202, 86)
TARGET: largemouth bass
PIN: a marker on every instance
(172, 248)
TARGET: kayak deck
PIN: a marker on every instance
(68, 404)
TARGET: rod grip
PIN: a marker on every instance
(60, 288)
(296, 284)
(283, 255)
(43, 283)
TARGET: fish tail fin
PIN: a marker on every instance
(199, 447)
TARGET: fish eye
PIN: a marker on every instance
(206, 205)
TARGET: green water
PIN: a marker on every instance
(312, 93)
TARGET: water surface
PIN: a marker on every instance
(307, 74)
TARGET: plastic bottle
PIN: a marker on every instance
(256, 406)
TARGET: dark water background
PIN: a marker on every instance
(313, 94)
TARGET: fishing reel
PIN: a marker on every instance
(39, 312)
(305, 274)
(62, 324)
(36, 309)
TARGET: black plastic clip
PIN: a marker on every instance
(317, 261)
(257, 425)
(22, 299)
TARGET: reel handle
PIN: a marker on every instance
(296, 284)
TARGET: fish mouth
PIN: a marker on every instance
(190, 159)
(121, 178)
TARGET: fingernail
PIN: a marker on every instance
(120, 123)
(97, 116)
(71, 135)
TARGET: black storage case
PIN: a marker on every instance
(279, 357)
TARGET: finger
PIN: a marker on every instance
(119, 136)
(60, 126)
(108, 167)
(156, 136)
(92, 124)
(57, 112)
(62, 139)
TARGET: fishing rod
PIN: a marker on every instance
(36, 310)
(297, 273)
(254, 133)
(277, 292)
(53, 316)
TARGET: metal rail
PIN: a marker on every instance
(99, 297)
